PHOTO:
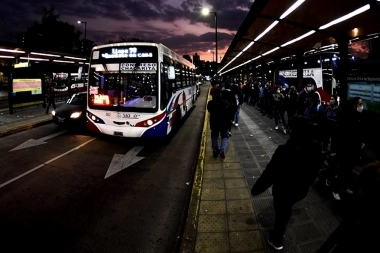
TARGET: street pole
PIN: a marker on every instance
(216, 43)
(85, 30)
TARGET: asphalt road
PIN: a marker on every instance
(55, 196)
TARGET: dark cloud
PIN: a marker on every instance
(115, 19)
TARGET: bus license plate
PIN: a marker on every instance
(115, 133)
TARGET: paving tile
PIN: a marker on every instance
(213, 194)
(212, 243)
(237, 193)
(244, 241)
(212, 207)
(239, 206)
(242, 222)
(235, 183)
(213, 174)
(233, 174)
(212, 223)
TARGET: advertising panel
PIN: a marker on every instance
(34, 86)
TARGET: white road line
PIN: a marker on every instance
(40, 166)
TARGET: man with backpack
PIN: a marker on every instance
(220, 122)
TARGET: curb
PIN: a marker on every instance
(24, 127)
(190, 234)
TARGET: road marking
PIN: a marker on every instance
(120, 162)
(45, 163)
(33, 142)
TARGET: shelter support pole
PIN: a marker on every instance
(300, 71)
(276, 71)
(343, 68)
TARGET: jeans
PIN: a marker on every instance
(237, 114)
(279, 115)
(215, 141)
(282, 212)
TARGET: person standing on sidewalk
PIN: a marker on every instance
(220, 121)
(351, 139)
(50, 99)
(229, 96)
(292, 169)
(238, 91)
(278, 99)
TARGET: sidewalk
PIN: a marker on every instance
(224, 217)
(22, 119)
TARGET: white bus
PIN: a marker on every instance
(138, 89)
(319, 69)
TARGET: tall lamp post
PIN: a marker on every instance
(85, 27)
(206, 11)
(212, 54)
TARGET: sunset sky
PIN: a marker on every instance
(178, 24)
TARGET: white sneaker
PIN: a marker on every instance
(336, 196)
(349, 191)
(276, 247)
(276, 127)
(284, 129)
(236, 124)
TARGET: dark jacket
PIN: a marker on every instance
(229, 96)
(315, 114)
(351, 131)
(239, 96)
(291, 101)
(291, 171)
(301, 102)
(278, 101)
(220, 111)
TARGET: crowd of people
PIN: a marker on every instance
(317, 132)
(338, 128)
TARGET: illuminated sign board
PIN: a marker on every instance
(314, 73)
(130, 52)
(141, 66)
(32, 85)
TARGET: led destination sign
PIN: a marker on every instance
(131, 52)
(141, 66)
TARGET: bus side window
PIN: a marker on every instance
(165, 86)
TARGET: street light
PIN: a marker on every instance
(206, 11)
(212, 54)
(85, 27)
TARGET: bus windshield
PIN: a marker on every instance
(123, 87)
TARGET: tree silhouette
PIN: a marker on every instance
(50, 34)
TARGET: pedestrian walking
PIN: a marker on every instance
(302, 98)
(220, 121)
(292, 169)
(50, 99)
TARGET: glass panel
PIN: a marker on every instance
(132, 89)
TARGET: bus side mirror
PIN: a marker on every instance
(171, 73)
